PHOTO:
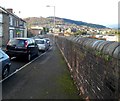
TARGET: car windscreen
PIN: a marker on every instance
(47, 39)
(40, 41)
(17, 42)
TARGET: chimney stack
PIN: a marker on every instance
(10, 10)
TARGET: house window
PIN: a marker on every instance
(17, 23)
(1, 18)
(21, 23)
(21, 34)
(11, 20)
(24, 24)
(11, 34)
(1, 34)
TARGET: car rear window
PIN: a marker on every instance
(40, 41)
(17, 42)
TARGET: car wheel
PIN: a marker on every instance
(5, 72)
(29, 57)
(38, 53)
(43, 51)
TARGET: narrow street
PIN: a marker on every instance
(47, 77)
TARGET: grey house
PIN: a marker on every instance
(10, 26)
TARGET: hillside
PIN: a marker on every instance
(63, 21)
(84, 23)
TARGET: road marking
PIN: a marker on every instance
(50, 48)
(17, 70)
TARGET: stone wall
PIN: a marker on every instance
(94, 65)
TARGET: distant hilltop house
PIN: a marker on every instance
(11, 26)
(36, 30)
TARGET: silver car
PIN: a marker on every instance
(48, 41)
(4, 64)
(42, 44)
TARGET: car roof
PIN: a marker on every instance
(23, 38)
(40, 39)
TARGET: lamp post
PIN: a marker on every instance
(54, 14)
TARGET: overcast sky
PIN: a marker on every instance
(103, 12)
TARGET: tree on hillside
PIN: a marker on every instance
(79, 32)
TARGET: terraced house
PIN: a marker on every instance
(10, 26)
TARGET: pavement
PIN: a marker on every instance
(48, 77)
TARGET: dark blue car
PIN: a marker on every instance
(4, 64)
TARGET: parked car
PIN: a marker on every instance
(18, 47)
(42, 44)
(4, 64)
(48, 41)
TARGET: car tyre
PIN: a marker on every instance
(38, 53)
(5, 72)
(29, 57)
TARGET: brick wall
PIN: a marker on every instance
(5, 37)
(94, 65)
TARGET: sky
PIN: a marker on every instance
(104, 12)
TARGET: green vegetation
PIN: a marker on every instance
(104, 56)
(118, 32)
(107, 57)
(98, 53)
(68, 86)
(67, 83)
(79, 32)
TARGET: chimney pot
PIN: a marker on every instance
(10, 10)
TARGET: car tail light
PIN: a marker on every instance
(8, 43)
(6, 49)
(26, 44)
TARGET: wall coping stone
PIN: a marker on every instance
(106, 47)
